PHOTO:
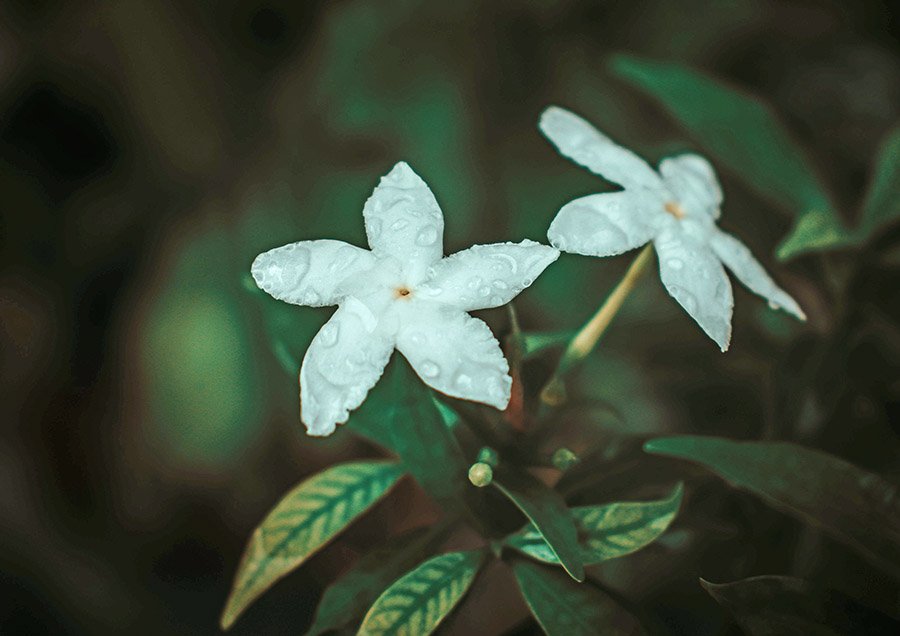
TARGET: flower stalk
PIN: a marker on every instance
(554, 392)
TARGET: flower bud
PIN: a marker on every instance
(481, 474)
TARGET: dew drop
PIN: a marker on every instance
(399, 224)
(417, 339)
(328, 336)
(430, 369)
(484, 291)
(427, 236)
(774, 305)
(310, 298)
(374, 226)
(496, 300)
(463, 381)
(675, 263)
(474, 283)
(499, 284)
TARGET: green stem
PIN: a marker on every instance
(586, 339)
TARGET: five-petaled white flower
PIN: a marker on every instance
(402, 294)
(676, 208)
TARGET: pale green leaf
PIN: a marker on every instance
(563, 607)
(351, 595)
(418, 602)
(307, 518)
(547, 512)
(852, 505)
(608, 531)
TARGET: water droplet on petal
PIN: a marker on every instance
(484, 291)
(427, 236)
(675, 263)
(496, 300)
(430, 369)
(474, 283)
(374, 226)
(499, 284)
(417, 339)
(310, 298)
(328, 336)
(463, 381)
(774, 305)
(399, 224)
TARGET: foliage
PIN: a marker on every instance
(411, 584)
(307, 518)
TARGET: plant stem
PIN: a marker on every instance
(586, 339)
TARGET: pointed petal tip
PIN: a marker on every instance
(553, 116)
(320, 428)
(402, 175)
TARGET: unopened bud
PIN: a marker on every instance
(564, 459)
(481, 474)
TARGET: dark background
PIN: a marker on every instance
(148, 150)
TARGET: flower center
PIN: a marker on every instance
(674, 209)
(402, 292)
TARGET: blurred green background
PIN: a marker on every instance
(149, 150)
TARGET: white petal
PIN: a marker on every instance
(344, 361)
(605, 224)
(693, 181)
(582, 143)
(738, 258)
(403, 220)
(485, 276)
(457, 355)
(309, 272)
(694, 277)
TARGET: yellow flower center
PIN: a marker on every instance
(674, 209)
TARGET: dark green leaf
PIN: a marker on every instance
(778, 605)
(883, 199)
(563, 607)
(307, 518)
(606, 532)
(743, 133)
(351, 595)
(420, 600)
(547, 512)
(853, 505)
(400, 413)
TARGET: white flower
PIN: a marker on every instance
(402, 294)
(676, 208)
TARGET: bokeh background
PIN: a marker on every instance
(150, 149)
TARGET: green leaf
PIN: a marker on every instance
(421, 599)
(776, 605)
(563, 607)
(548, 513)
(307, 518)
(607, 532)
(355, 591)
(813, 231)
(852, 505)
(536, 342)
(743, 133)
(401, 414)
(882, 203)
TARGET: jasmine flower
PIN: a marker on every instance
(675, 207)
(403, 294)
